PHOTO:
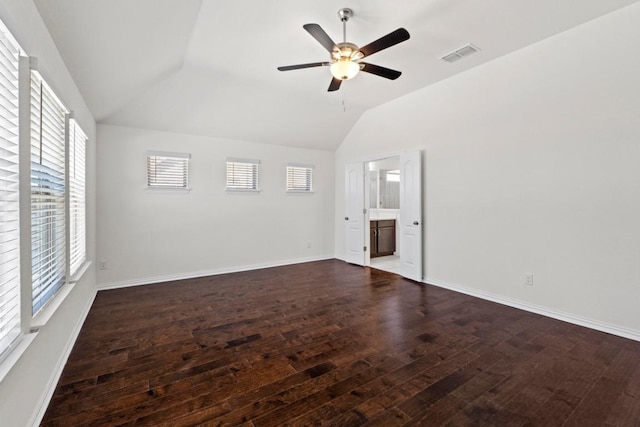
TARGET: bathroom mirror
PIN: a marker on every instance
(384, 178)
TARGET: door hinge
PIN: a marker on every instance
(364, 211)
(364, 249)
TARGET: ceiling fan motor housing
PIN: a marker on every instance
(346, 50)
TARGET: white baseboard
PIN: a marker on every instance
(566, 317)
(204, 273)
(62, 361)
(544, 311)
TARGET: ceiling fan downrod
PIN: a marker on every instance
(345, 14)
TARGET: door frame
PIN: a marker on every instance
(367, 203)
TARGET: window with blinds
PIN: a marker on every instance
(168, 170)
(242, 175)
(47, 192)
(77, 197)
(299, 178)
(9, 203)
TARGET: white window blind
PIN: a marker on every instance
(47, 192)
(77, 200)
(299, 178)
(9, 203)
(168, 170)
(242, 175)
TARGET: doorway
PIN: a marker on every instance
(361, 235)
(382, 186)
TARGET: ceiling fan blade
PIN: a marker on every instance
(300, 66)
(319, 34)
(387, 73)
(335, 85)
(391, 39)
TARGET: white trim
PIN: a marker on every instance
(300, 165)
(76, 200)
(204, 273)
(33, 62)
(26, 289)
(307, 174)
(544, 311)
(43, 403)
(80, 272)
(10, 318)
(168, 189)
(377, 158)
(183, 158)
(169, 154)
(242, 190)
(251, 176)
(46, 312)
(242, 160)
(51, 111)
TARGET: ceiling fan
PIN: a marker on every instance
(346, 58)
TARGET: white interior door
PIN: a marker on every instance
(411, 215)
(354, 213)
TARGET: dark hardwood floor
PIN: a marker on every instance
(328, 343)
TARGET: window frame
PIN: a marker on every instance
(29, 322)
(76, 197)
(181, 159)
(235, 185)
(50, 192)
(11, 324)
(308, 177)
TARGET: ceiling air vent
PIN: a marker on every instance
(461, 53)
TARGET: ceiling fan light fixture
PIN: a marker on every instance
(344, 69)
(345, 57)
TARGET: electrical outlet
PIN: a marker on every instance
(103, 265)
(528, 279)
(308, 245)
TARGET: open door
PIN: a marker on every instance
(354, 213)
(411, 215)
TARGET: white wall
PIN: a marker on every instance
(531, 165)
(150, 235)
(25, 390)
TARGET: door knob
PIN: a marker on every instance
(416, 223)
(346, 218)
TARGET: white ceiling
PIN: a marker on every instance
(208, 67)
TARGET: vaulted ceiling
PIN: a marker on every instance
(209, 67)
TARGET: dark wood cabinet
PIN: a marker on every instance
(383, 237)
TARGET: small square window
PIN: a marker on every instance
(242, 175)
(168, 170)
(299, 178)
